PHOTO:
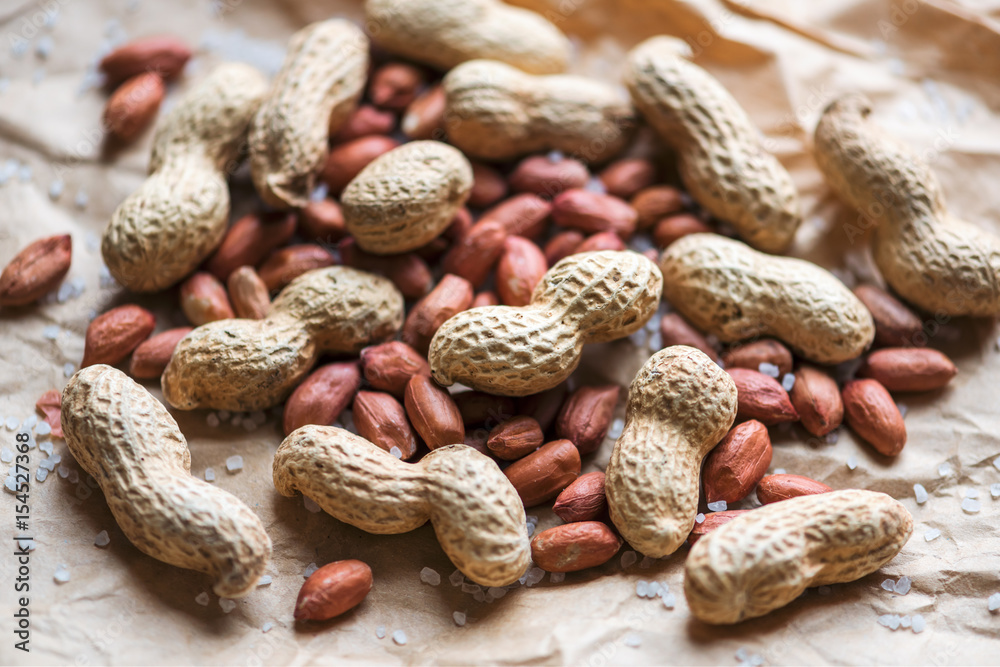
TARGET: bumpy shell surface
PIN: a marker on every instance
(680, 405)
(243, 365)
(764, 559)
(591, 297)
(720, 156)
(446, 33)
(318, 86)
(932, 259)
(130, 444)
(476, 513)
(728, 289)
(497, 112)
(164, 230)
(406, 197)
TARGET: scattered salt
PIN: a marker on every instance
(380, 632)
(787, 382)
(995, 490)
(535, 575)
(617, 426)
(266, 627)
(920, 493)
(832, 437)
(81, 199)
(890, 621)
(63, 471)
(769, 369)
(717, 506)
(248, 424)
(212, 420)
(902, 409)
(396, 451)
(202, 599)
(456, 578)
(669, 600)
(469, 589)
(102, 539)
(632, 640)
(996, 461)
(903, 585)
(645, 562)
(227, 605)
(224, 415)
(641, 588)
(557, 577)
(68, 369)
(994, 602)
(209, 475)
(971, 506)
(699, 518)
(852, 462)
(310, 568)
(46, 447)
(264, 581)
(918, 624)
(780, 471)
(399, 637)
(51, 332)
(905, 621)
(310, 505)
(429, 576)
(11, 423)
(497, 592)
(234, 463)
(458, 617)
(47, 465)
(889, 585)
(10, 484)
(944, 470)
(972, 493)
(932, 535)
(41, 474)
(628, 559)
(74, 477)
(61, 574)
(6, 455)
(479, 596)
(43, 429)
(594, 184)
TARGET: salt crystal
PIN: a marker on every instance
(266, 627)
(972, 493)
(996, 461)
(209, 475)
(456, 578)
(458, 617)
(920, 493)
(889, 585)
(51, 332)
(25, 173)
(555, 157)
(641, 588)
(63, 471)
(699, 518)
(557, 577)
(46, 447)
(905, 621)
(264, 581)
(10, 484)
(995, 490)
(319, 193)
(469, 589)
(56, 189)
(6, 455)
(224, 415)
(654, 589)
(932, 535)
(43, 429)
(852, 462)
(628, 559)
(717, 506)
(645, 562)
(780, 471)
(832, 437)
(61, 574)
(902, 409)
(479, 596)
(971, 506)
(769, 369)
(497, 592)
(248, 424)
(81, 199)
(227, 605)
(102, 539)
(74, 477)
(310, 568)
(234, 463)
(994, 602)
(903, 585)
(202, 599)
(594, 184)
(310, 505)
(212, 420)
(380, 632)
(632, 640)
(68, 369)
(41, 474)
(617, 426)
(258, 417)
(429, 576)
(11, 423)
(889, 621)
(535, 575)
(399, 637)
(787, 382)
(918, 624)
(396, 451)
(944, 470)
(47, 465)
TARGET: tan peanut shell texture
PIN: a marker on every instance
(590, 297)
(319, 84)
(764, 559)
(727, 289)
(680, 405)
(405, 198)
(932, 259)
(720, 156)
(476, 513)
(177, 217)
(446, 33)
(246, 365)
(130, 444)
(497, 112)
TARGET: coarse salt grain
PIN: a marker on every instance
(995, 490)
(6, 455)
(769, 369)
(993, 603)
(832, 437)
(780, 471)
(788, 382)
(972, 493)
(102, 539)
(234, 463)
(266, 627)
(41, 474)
(43, 428)
(469, 589)
(617, 426)
(645, 562)
(497, 592)
(944, 470)
(918, 624)
(632, 640)
(479, 596)
(557, 577)
(456, 578)
(396, 451)
(903, 585)
(430, 576)
(74, 476)
(212, 420)
(63, 471)
(264, 581)
(61, 574)
(890, 621)
(920, 493)
(68, 369)
(11, 423)
(310, 505)
(641, 588)
(399, 637)
(46, 447)
(47, 465)
(209, 475)
(227, 605)
(717, 506)
(852, 462)
(699, 518)
(202, 599)
(310, 568)
(535, 575)
(380, 632)
(932, 534)
(458, 617)
(905, 621)
(669, 600)
(889, 585)
(971, 506)
(628, 559)
(51, 332)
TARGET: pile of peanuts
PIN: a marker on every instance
(451, 210)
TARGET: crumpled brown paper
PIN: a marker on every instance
(931, 70)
